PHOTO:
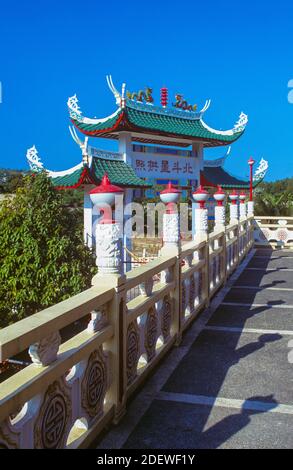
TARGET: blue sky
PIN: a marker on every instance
(239, 54)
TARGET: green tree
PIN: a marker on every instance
(43, 259)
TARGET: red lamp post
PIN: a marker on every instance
(103, 197)
(251, 162)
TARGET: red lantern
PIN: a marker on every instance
(164, 97)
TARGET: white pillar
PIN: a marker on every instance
(197, 153)
(200, 222)
(87, 220)
(125, 148)
(171, 230)
(109, 248)
(250, 209)
(242, 210)
(220, 217)
(233, 213)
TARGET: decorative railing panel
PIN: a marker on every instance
(73, 389)
(273, 231)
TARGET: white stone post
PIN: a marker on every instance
(171, 220)
(250, 209)
(171, 230)
(220, 211)
(125, 148)
(109, 248)
(201, 213)
(242, 209)
(197, 154)
(233, 208)
(201, 221)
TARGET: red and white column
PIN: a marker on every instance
(200, 196)
(233, 207)
(171, 224)
(220, 210)
(242, 206)
(109, 233)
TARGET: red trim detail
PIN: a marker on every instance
(101, 131)
(79, 182)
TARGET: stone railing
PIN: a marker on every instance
(75, 387)
(273, 231)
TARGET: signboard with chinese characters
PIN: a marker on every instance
(159, 166)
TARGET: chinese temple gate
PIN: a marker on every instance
(156, 144)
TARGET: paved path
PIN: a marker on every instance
(230, 383)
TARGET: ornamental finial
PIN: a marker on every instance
(241, 123)
(34, 160)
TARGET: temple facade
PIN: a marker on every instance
(156, 144)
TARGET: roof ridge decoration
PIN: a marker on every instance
(261, 170)
(238, 127)
(36, 165)
(34, 160)
(120, 97)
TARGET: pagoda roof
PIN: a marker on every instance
(212, 176)
(90, 171)
(155, 124)
(119, 172)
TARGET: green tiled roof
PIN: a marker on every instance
(152, 121)
(68, 180)
(217, 175)
(118, 171)
(176, 125)
(105, 125)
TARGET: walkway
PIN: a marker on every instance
(230, 383)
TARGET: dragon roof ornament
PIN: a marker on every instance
(241, 123)
(261, 170)
(34, 160)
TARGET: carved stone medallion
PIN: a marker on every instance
(94, 384)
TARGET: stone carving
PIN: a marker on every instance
(166, 318)
(201, 221)
(8, 438)
(220, 216)
(45, 351)
(242, 210)
(98, 320)
(51, 427)
(94, 384)
(171, 233)
(233, 213)
(151, 333)
(132, 354)
(109, 248)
